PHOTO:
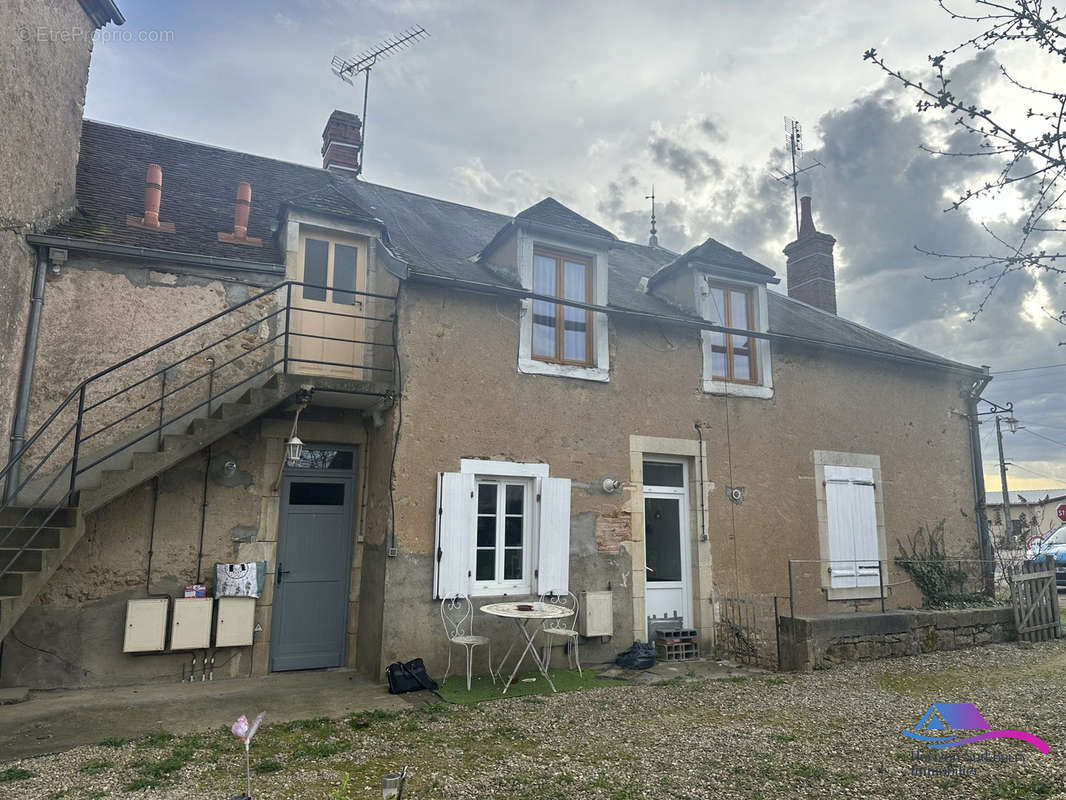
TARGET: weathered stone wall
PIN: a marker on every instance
(463, 398)
(98, 311)
(44, 79)
(810, 642)
(72, 635)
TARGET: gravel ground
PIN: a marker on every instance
(832, 733)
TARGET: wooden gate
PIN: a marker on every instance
(1036, 601)
(746, 630)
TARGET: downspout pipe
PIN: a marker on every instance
(984, 540)
(29, 359)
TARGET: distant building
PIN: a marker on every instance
(1033, 512)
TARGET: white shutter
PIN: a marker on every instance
(852, 517)
(455, 525)
(553, 545)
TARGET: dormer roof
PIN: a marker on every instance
(552, 213)
(715, 258)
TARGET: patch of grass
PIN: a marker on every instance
(113, 741)
(267, 765)
(94, 766)
(57, 795)
(482, 688)
(782, 738)
(154, 774)
(1022, 788)
(95, 794)
(156, 739)
(317, 725)
(319, 749)
(12, 774)
(808, 771)
(364, 719)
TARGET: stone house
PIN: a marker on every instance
(488, 405)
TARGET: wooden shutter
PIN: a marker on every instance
(553, 544)
(455, 525)
(852, 517)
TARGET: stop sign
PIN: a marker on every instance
(1062, 512)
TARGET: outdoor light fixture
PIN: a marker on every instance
(1012, 424)
(294, 447)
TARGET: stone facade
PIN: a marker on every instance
(816, 642)
(45, 77)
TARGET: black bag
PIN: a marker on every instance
(639, 656)
(409, 677)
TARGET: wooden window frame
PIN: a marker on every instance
(561, 258)
(332, 240)
(753, 371)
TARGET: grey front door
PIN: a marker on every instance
(308, 623)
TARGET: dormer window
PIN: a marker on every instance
(562, 334)
(733, 358)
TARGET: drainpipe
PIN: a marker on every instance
(984, 541)
(29, 358)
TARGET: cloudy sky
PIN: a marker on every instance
(593, 103)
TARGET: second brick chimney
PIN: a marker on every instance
(342, 143)
(811, 276)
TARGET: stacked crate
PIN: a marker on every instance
(678, 644)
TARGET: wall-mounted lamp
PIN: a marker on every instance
(294, 448)
(611, 485)
(1012, 423)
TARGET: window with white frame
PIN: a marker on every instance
(558, 339)
(502, 535)
(503, 528)
(734, 364)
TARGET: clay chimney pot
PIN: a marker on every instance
(153, 194)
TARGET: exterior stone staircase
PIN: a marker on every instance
(36, 540)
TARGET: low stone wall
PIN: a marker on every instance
(809, 642)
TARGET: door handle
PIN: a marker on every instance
(282, 572)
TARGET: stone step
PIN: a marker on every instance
(57, 518)
(37, 539)
(13, 561)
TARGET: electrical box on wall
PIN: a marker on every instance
(190, 626)
(236, 617)
(596, 617)
(146, 625)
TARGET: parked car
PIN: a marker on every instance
(1052, 546)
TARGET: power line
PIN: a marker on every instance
(1039, 474)
(1041, 436)
(1028, 369)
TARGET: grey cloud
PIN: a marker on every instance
(693, 165)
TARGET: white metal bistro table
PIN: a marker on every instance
(535, 612)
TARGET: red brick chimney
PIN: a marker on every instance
(811, 277)
(342, 143)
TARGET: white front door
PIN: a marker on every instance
(667, 557)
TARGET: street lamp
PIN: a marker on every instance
(1012, 424)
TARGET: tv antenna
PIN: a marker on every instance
(794, 144)
(346, 69)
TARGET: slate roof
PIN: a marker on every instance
(550, 211)
(712, 254)
(436, 237)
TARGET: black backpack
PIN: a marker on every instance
(409, 677)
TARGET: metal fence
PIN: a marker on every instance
(746, 629)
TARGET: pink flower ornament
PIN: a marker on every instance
(245, 731)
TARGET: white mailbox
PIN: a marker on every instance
(146, 625)
(596, 617)
(190, 626)
(236, 617)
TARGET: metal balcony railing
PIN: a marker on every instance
(129, 402)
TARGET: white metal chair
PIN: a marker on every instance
(564, 628)
(457, 615)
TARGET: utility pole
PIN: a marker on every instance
(1009, 537)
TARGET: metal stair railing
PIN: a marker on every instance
(54, 454)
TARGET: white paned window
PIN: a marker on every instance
(502, 529)
(852, 523)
